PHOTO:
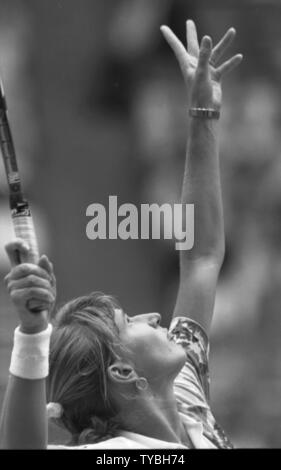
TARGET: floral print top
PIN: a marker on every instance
(193, 382)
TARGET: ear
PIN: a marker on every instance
(121, 372)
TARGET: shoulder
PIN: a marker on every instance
(192, 337)
(193, 380)
(191, 386)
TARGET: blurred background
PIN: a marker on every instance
(97, 108)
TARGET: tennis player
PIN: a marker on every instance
(116, 381)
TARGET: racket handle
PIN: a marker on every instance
(24, 229)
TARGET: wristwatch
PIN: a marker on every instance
(205, 113)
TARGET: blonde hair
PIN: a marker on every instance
(85, 341)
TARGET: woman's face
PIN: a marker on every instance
(155, 356)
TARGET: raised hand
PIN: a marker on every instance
(27, 282)
(200, 64)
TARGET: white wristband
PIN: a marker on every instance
(30, 355)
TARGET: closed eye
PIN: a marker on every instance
(153, 323)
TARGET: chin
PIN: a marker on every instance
(182, 357)
(179, 359)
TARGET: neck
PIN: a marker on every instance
(154, 415)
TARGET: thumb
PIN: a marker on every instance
(17, 251)
(176, 45)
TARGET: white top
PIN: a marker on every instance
(131, 440)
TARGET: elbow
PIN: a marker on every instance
(213, 255)
(218, 254)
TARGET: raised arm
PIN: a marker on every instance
(200, 266)
(23, 418)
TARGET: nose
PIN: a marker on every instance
(152, 318)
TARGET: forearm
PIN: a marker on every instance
(24, 416)
(24, 420)
(202, 187)
(203, 75)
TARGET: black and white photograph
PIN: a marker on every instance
(140, 227)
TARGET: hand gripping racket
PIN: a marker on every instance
(20, 211)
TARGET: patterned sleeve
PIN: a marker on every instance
(193, 382)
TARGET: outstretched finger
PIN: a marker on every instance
(204, 55)
(175, 44)
(192, 39)
(222, 46)
(228, 66)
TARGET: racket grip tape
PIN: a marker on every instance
(24, 229)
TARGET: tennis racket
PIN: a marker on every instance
(20, 210)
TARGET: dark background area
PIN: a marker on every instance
(97, 108)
